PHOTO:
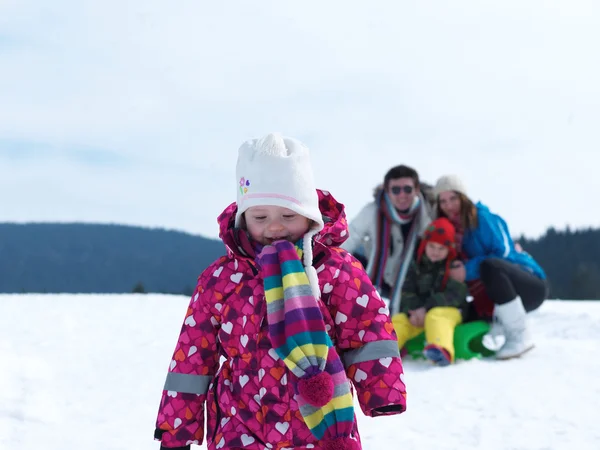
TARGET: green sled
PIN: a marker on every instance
(467, 341)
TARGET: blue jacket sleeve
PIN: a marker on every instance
(494, 241)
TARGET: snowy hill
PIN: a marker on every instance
(86, 372)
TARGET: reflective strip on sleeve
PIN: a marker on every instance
(187, 384)
(371, 351)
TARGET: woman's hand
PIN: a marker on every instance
(416, 317)
(458, 271)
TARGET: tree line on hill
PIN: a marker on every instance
(97, 258)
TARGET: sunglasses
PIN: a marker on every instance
(398, 189)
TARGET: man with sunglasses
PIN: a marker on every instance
(388, 230)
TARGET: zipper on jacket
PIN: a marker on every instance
(253, 267)
(318, 257)
(217, 409)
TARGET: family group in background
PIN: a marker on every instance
(305, 312)
(465, 251)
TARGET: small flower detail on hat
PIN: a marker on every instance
(244, 185)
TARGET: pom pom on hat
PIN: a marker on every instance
(276, 171)
(449, 183)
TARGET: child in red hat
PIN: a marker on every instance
(431, 299)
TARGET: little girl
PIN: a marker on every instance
(431, 298)
(293, 317)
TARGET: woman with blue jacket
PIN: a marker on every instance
(513, 280)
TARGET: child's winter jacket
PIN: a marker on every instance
(223, 361)
(423, 287)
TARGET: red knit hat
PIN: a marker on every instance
(440, 231)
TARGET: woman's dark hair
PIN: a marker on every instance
(468, 212)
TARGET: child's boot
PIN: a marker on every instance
(437, 355)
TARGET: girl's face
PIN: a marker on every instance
(267, 224)
(436, 252)
(449, 202)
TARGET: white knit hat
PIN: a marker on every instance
(276, 171)
(449, 183)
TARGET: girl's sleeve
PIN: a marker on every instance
(365, 337)
(195, 361)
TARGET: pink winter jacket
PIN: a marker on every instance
(224, 356)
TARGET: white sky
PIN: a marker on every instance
(133, 111)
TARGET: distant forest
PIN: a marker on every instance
(101, 258)
(90, 258)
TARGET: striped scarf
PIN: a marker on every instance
(298, 335)
(386, 217)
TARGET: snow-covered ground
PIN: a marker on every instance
(86, 372)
